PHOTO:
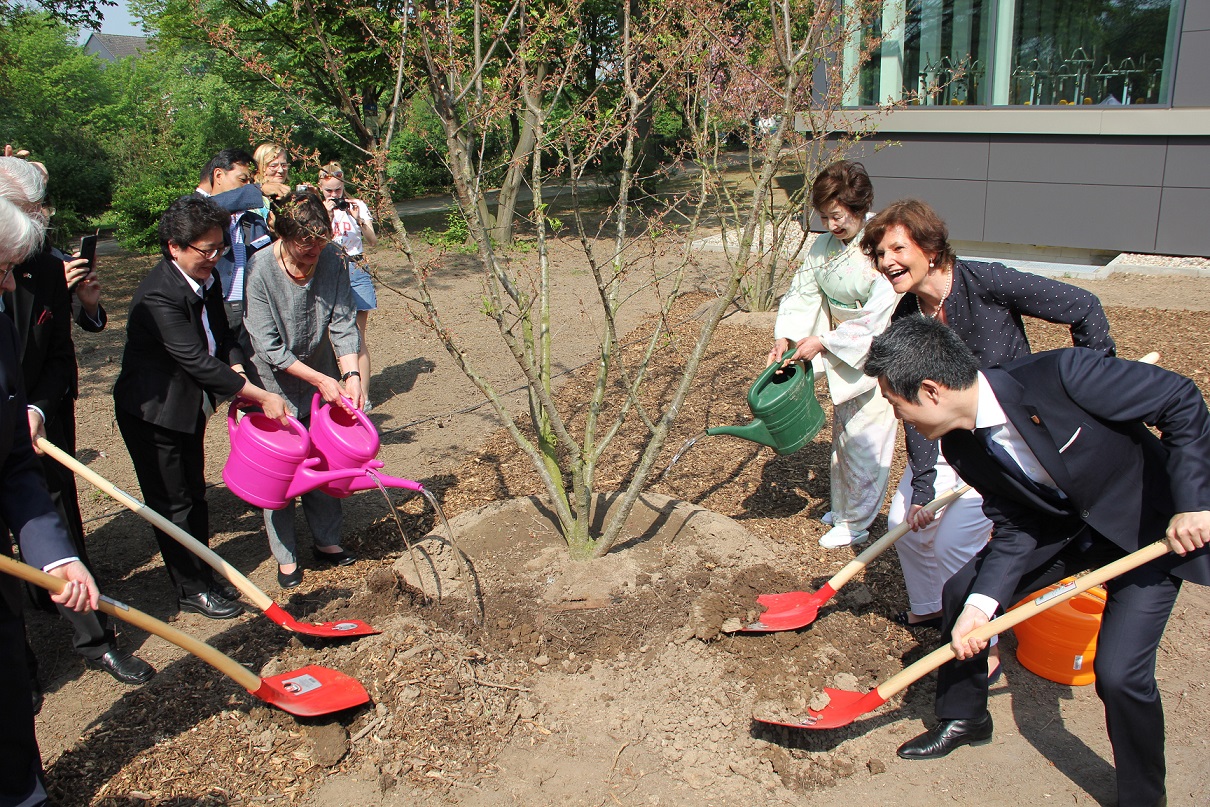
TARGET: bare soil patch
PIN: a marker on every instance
(589, 684)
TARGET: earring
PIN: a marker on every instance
(930, 264)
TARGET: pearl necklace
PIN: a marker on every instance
(940, 303)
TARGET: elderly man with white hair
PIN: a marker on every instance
(26, 510)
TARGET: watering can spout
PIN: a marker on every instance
(756, 431)
(307, 479)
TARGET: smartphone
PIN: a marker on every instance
(88, 250)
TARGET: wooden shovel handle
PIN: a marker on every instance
(246, 586)
(223, 663)
(941, 655)
(878, 547)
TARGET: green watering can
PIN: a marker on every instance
(788, 416)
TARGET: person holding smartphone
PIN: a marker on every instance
(37, 300)
(352, 230)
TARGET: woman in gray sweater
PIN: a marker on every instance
(302, 323)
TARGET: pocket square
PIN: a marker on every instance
(1071, 440)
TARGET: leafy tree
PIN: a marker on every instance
(73, 13)
(170, 113)
(50, 94)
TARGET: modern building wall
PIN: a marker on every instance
(1107, 178)
(1129, 194)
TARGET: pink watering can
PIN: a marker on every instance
(270, 463)
(344, 440)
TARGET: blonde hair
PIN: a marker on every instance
(331, 171)
(264, 155)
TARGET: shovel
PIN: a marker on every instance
(342, 629)
(307, 692)
(846, 706)
(797, 609)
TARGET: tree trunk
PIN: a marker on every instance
(506, 202)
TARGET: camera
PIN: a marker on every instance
(341, 203)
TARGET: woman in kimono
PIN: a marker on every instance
(836, 304)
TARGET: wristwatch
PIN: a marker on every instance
(349, 375)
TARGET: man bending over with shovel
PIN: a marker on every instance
(1057, 443)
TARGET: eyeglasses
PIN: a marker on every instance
(277, 166)
(309, 241)
(208, 254)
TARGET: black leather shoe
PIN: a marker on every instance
(123, 666)
(211, 605)
(290, 580)
(948, 735)
(341, 558)
(225, 590)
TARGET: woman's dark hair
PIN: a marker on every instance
(916, 348)
(188, 219)
(846, 182)
(923, 226)
(302, 214)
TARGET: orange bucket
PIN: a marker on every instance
(1060, 643)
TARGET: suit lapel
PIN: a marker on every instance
(1029, 422)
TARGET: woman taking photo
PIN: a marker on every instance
(984, 303)
(836, 304)
(302, 323)
(352, 231)
(181, 357)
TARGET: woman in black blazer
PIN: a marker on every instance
(984, 303)
(181, 357)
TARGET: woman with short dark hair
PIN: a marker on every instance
(984, 304)
(302, 322)
(837, 303)
(181, 357)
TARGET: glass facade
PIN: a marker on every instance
(1013, 53)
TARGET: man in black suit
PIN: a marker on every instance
(181, 357)
(25, 510)
(1058, 445)
(40, 306)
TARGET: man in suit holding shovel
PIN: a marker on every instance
(1071, 477)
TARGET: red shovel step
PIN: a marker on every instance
(307, 692)
(797, 609)
(846, 706)
(330, 630)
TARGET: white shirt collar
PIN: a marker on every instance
(989, 413)
(198, 288)
(202, 191)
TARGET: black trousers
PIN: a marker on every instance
(20, 761)
(1136, 613)
(92, 635)
(170, 466)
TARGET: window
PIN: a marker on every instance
(1013, 52)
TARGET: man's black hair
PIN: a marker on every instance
(226, 160)
(188, 219)
(915, 348)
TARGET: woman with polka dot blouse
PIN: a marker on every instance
(837, 303)
(984, 303)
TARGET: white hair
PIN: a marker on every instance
(20, 235)
(21, 181)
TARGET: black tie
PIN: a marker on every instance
(1004, 459)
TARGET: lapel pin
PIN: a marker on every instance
(1034, 418)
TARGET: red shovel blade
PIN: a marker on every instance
(789, 611)
(339, 629)
(844, 708)
(312, 691)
